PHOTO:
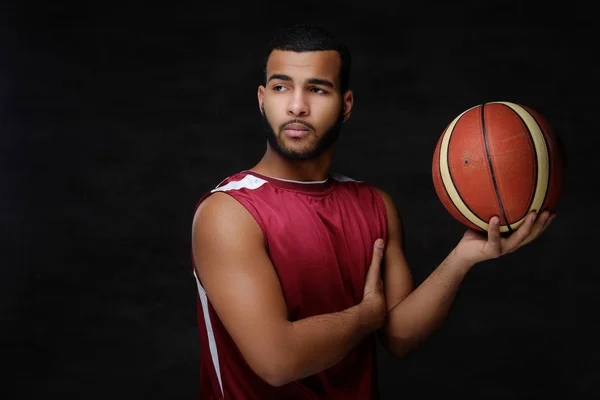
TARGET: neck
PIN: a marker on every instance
(275, 166)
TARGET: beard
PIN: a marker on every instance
(316, 149)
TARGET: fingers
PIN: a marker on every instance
(494, 243)
(518, 237)
(548, 221)
(377, 251)
(533, 226)
(541, 224)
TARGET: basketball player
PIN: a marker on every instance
(298, 267)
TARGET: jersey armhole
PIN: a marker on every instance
(249, 208)
(381, 204)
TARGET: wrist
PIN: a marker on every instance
(366, 317)
(461, 263)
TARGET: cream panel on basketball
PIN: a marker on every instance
(447, 180)
(541, 151)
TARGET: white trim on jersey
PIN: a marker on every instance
(302, 182)
(248, 182)
(212, 343)
(342, 178)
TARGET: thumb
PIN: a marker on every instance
(377, 256)
(377, 251)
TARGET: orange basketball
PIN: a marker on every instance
(498, 158)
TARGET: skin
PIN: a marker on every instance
(241, 283)
(312, 95)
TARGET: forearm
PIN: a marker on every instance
(319, 342)
(416, 317)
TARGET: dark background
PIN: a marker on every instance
(116, 119)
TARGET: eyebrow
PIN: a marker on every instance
(322, 82)
(312, 81)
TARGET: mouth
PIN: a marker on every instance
(296, 130)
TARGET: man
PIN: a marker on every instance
(297, 267)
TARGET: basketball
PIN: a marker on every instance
(498, 158)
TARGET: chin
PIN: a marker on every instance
(296, 146)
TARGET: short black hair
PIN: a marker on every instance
(305, 37)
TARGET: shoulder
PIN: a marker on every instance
(388, 200)
(223, 197)
(393, 216)
(344, 179)
(219, 208)
(221, 222)
(386, 197)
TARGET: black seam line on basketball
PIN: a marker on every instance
(535, 158)
(493, 175)
(452, 180)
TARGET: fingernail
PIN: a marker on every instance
(379, 243)
(533, 217)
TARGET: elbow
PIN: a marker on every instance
(273, 360)
(399, 351)
(276, 381)
(396, 346)
(276, 372)
(274, 377)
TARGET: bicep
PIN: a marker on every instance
(397, 278)
(239, 279)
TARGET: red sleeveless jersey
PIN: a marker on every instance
(319, 237)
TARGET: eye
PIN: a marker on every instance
(318, 90)
(278, 88)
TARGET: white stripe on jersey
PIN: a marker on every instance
(248, 182)
(212, 344)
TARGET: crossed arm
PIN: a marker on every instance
(242, 285)
(240, 281)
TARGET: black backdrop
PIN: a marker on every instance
(115, 119)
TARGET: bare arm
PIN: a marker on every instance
(242, 285)
(413, 315)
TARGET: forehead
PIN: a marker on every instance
(310, 64)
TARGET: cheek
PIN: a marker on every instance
(270, 111)
(327, 115)
(273, 109)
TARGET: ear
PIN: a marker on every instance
(260, 94)
(348, 101)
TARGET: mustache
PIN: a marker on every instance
(296, 121)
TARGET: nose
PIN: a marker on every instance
(298, 105)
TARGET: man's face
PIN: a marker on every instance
(302, 107)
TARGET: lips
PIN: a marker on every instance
(296, 127)
(296, 130)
